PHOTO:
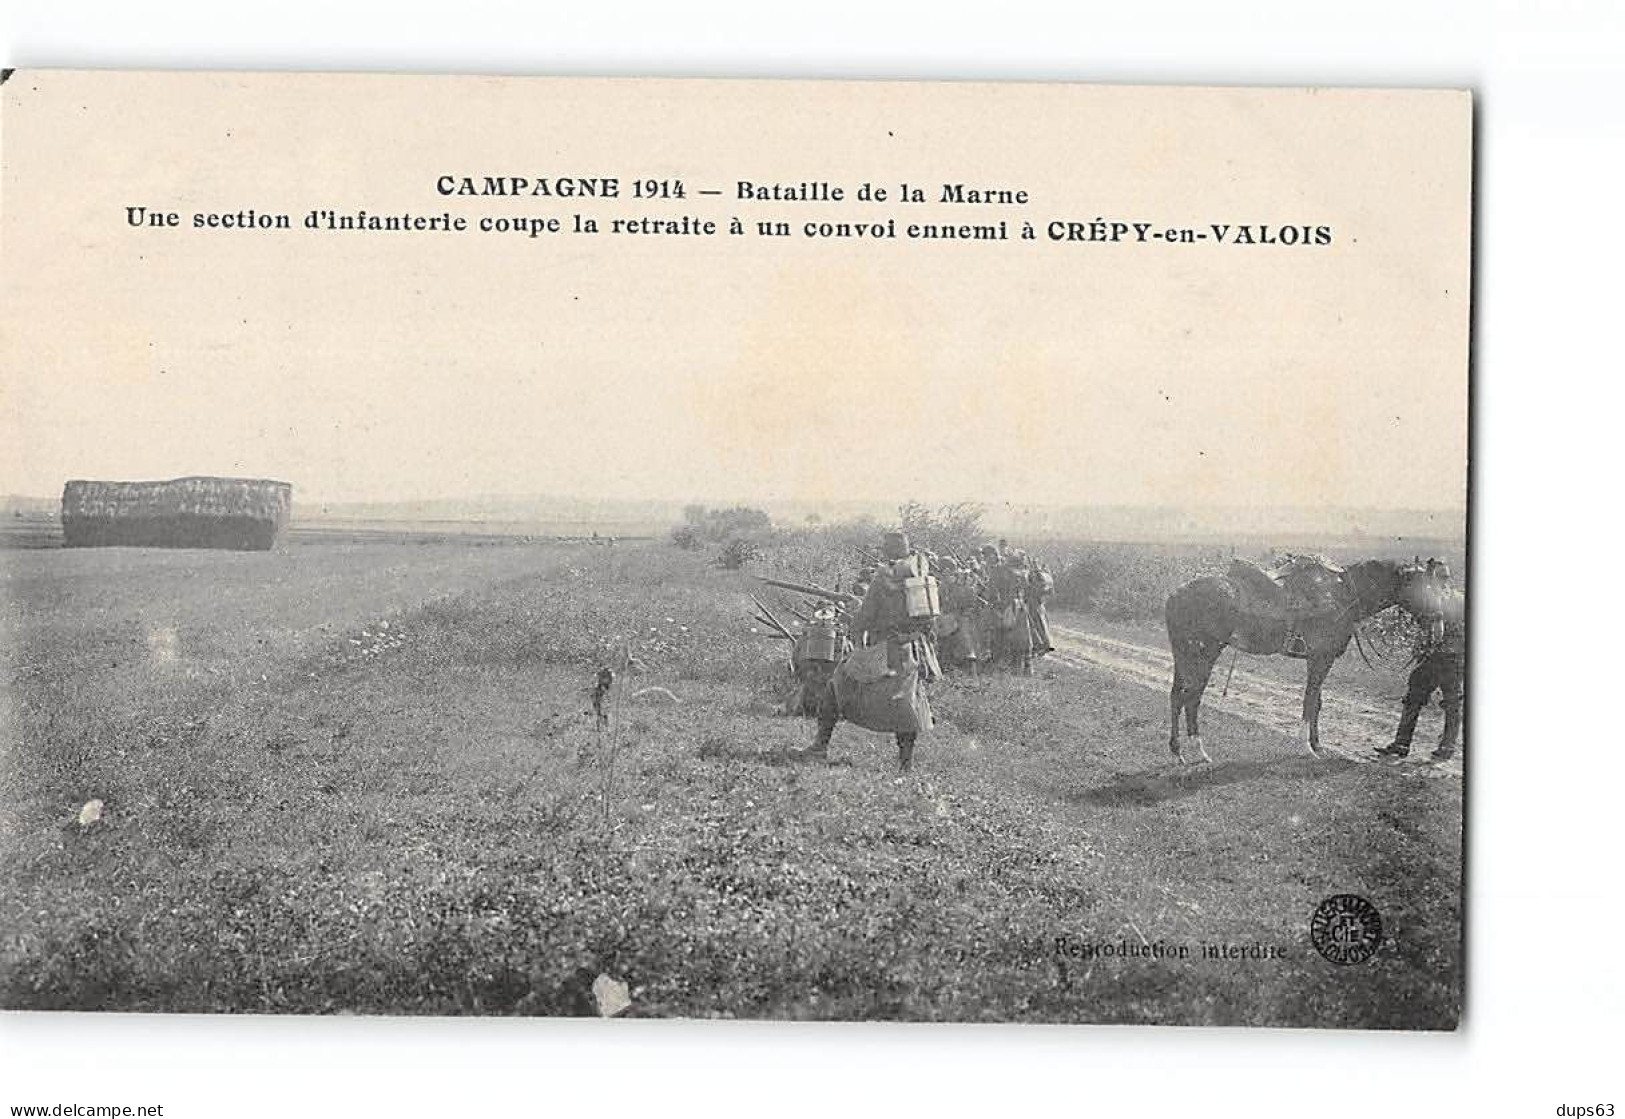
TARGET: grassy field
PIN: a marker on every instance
(360, 777)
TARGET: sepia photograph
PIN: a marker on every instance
(851, 559)
(862, 551)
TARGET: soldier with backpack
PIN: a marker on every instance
(881, 685)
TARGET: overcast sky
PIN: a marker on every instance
(395, 367)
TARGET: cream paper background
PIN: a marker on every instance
(400, 366)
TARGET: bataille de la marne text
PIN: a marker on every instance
(820, 190)
(674, 207)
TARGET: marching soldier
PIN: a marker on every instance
(1441, 656)
(881, 686)
(958, 624)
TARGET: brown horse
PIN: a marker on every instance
(1213, 611)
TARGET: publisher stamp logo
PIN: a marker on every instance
(1346, 929)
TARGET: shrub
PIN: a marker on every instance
(1129, 582)
(740, 532)
(737, 552)
(947, 529)
(827, 555)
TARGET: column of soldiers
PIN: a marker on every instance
(993, 610)
(918, 613)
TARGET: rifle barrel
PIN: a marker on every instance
(813, 590)
(771, 618)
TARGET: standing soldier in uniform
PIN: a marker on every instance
(981, 617)
(1011, 623)
(1040, 585)
(958, 624)
(1441, 657)
(881, 685)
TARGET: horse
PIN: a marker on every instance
(1213, 611)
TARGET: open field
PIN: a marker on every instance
(45, 531)
(310, 810)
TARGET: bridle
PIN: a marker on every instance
(1403, 573)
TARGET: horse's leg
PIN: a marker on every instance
(1179, 643)
(1176, 703)
(1184, 672)
(1319, 666)
(1204, 657)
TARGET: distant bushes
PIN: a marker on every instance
(829, 555)
(738, 534)
(947, 530)
(702, 527)
(742, 536)
(1127, 582)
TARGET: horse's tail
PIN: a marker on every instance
(1177, 616)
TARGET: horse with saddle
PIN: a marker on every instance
(1276, 604)
(1305, 607)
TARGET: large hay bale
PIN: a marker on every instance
(248, 514)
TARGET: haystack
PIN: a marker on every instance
(248, 514)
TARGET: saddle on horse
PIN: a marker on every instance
(1277, 603)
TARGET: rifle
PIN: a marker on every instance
(840, 598)
(766, 617)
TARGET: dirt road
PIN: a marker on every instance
(1351, 724)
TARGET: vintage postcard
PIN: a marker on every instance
(738, 549)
